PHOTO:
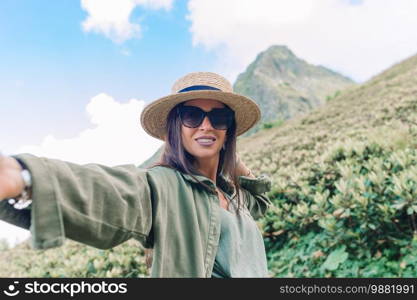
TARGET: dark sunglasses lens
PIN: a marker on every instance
(221, 119)
(191, 116)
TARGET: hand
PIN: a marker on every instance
(241, 169)
(11, 182)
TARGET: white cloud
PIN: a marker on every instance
(357, 38)
(112, 17)
(115, 138)
(13, 234)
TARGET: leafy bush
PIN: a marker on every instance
(351, 215)
(75, 260)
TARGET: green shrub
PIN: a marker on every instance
(352, 214)
(75, 260)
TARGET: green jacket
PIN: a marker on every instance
(105, 206)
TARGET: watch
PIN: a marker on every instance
(24, 199)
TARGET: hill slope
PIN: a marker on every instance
(384, 106)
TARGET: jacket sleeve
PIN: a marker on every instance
(93, 204)
(254, 190)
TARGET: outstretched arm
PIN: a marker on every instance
(93, 204)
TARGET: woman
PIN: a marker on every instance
(195, 208)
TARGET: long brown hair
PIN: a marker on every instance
(176, 157)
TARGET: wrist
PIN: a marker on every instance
(247, 173)
(24, 198)
(243, 170)
(250, 174)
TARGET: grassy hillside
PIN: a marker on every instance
(344, 192)
(381, 109)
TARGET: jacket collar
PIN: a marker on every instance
(222, 182)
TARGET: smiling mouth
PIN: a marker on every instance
(205, 142)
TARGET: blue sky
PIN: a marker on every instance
(75, 74)
(50, 67)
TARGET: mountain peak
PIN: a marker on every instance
(278, 52)
(286, 86)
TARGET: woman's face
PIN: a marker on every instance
(190, 136)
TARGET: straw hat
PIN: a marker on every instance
(199, 85)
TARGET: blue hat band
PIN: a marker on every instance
(198, 88)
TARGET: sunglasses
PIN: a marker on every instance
(192, 116)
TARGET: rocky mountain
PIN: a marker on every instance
(286, 86)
